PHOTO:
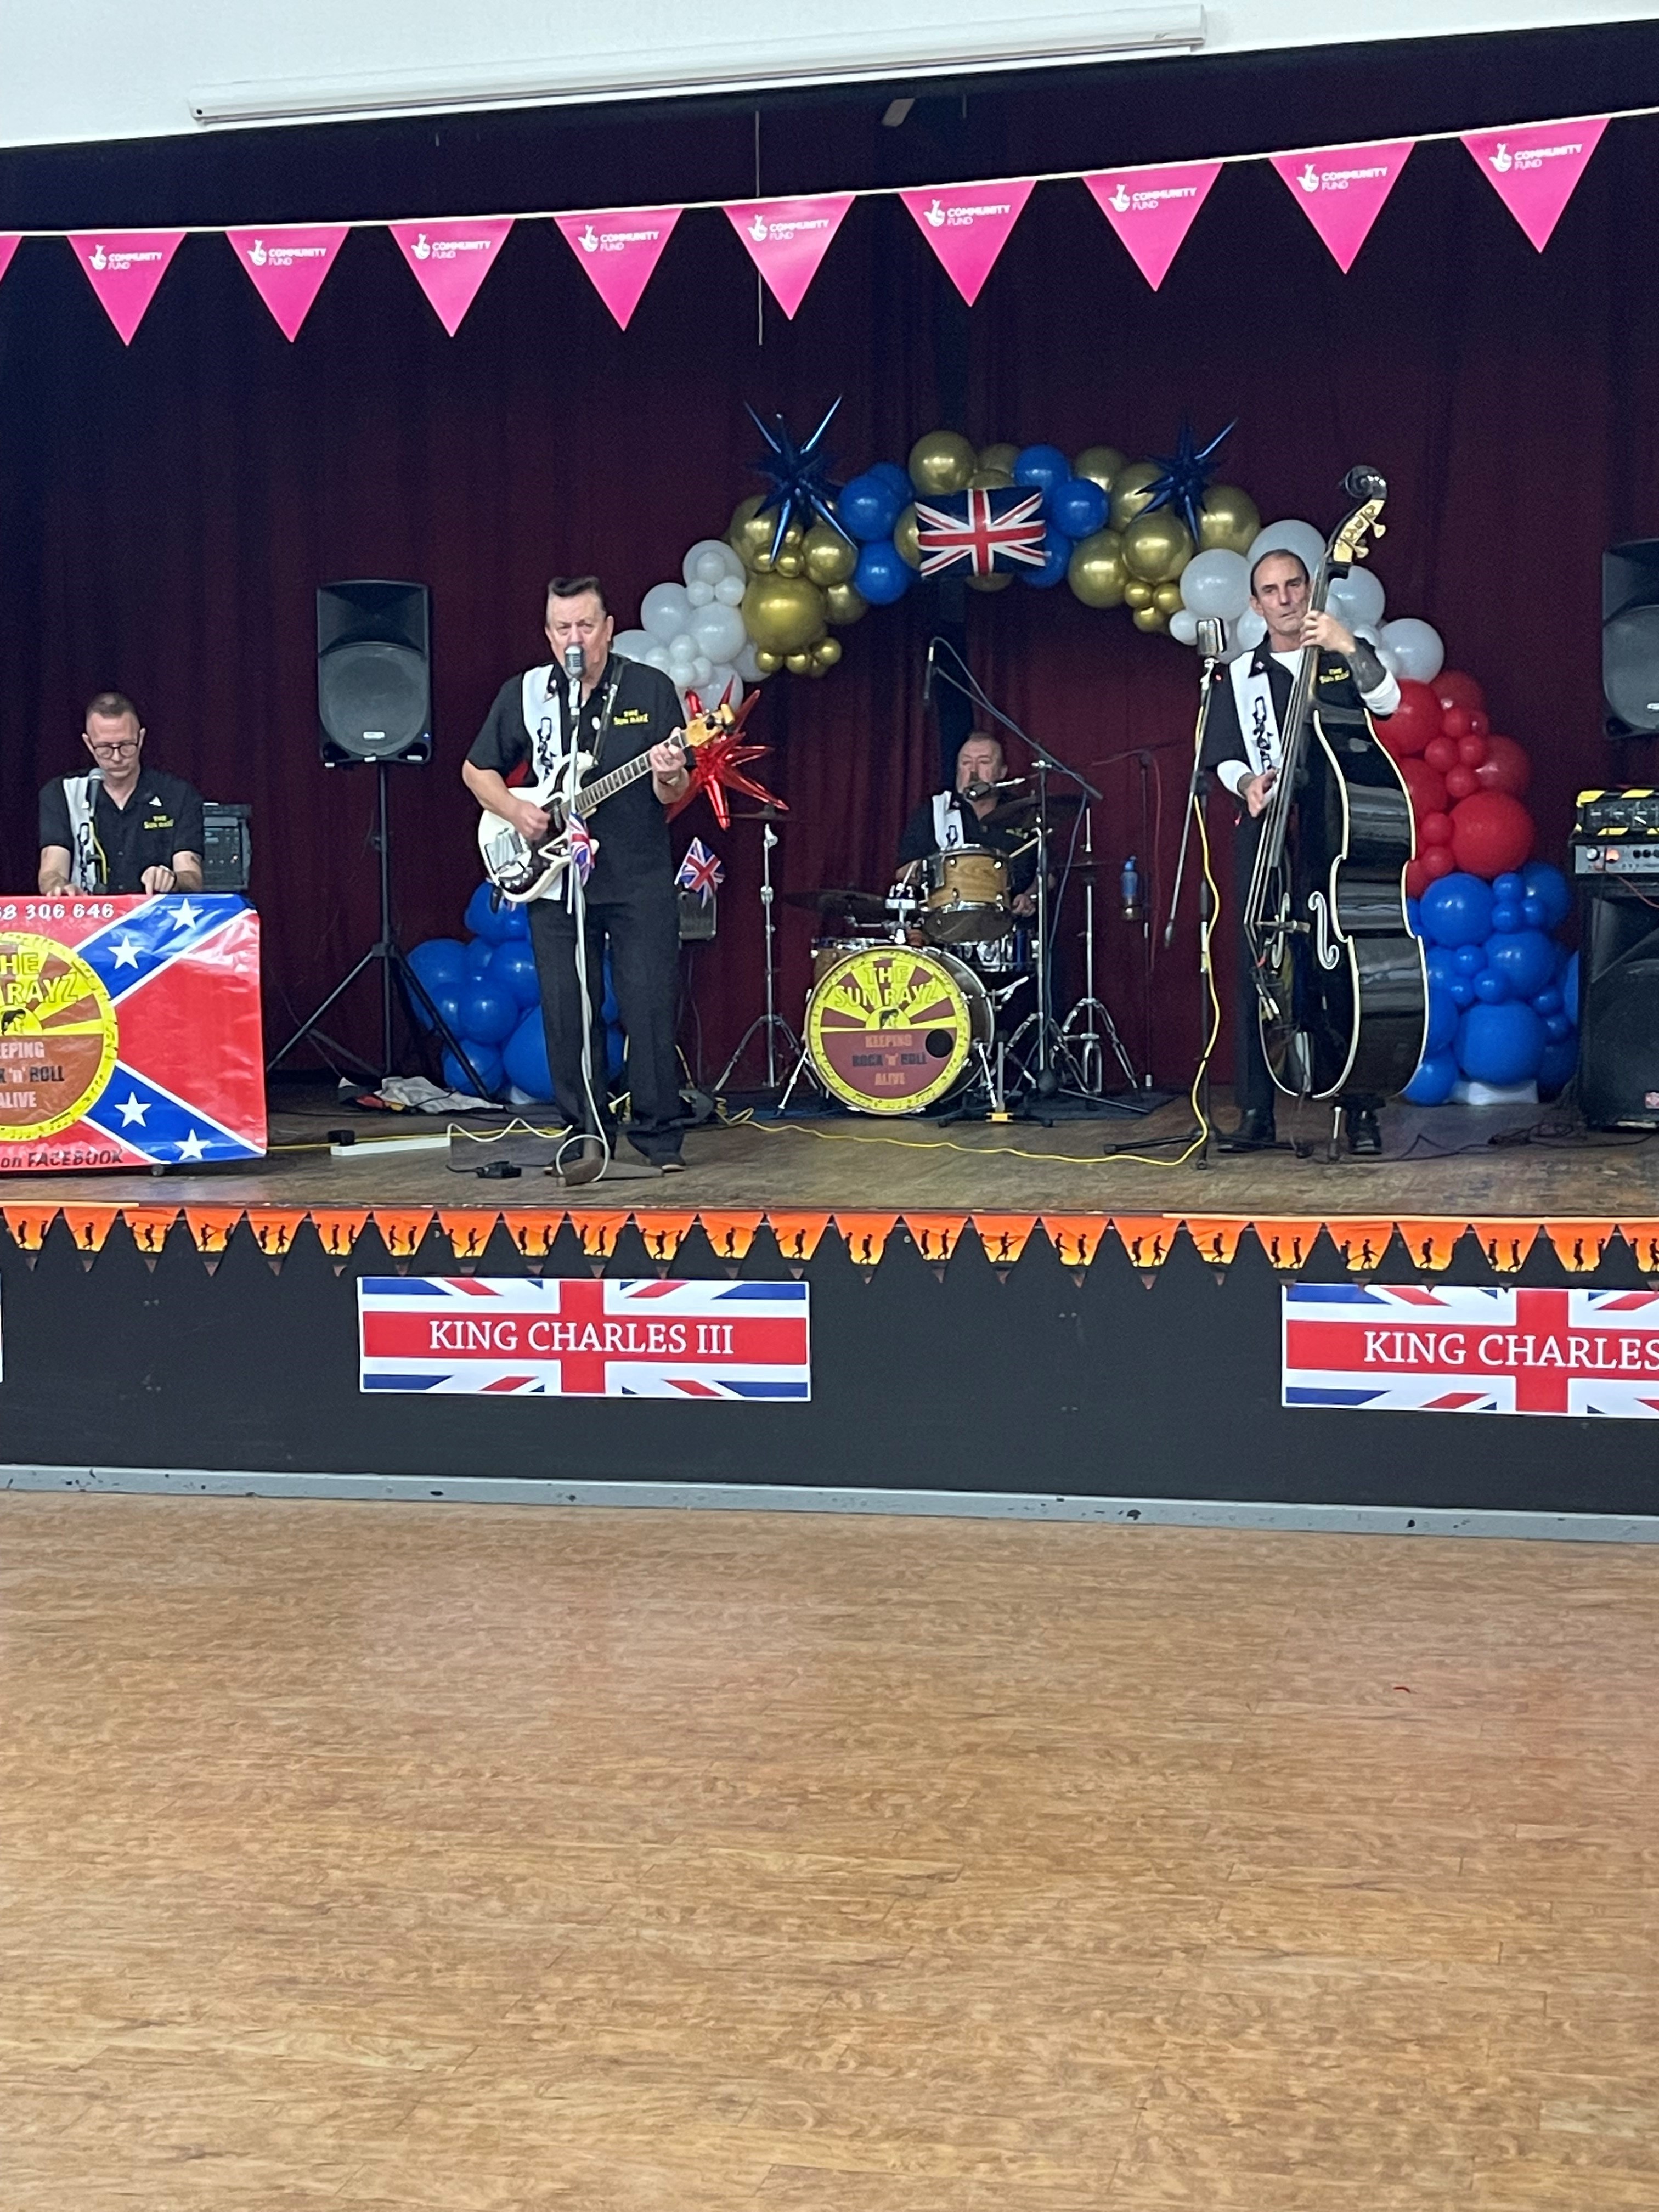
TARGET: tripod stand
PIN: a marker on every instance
(770, 1024)
(393, 961)
(1086, 1049)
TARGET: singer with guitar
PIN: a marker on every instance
(624, 713)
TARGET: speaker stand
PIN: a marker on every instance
(393, 962)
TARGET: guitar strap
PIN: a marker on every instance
(541, 703)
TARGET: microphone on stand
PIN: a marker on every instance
(927, 673)
(1211, 639)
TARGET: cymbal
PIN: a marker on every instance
(856, 905)
(1014, 813)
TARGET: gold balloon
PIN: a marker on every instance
(904, 537)
(825, 653)
(1100, 464)
(1096, 571)
(942, 461)
(1157, 546)
(1131, 489)
(844, 603)
(799, 664)
(1167, 598)
(1137, 594)
(795, 538)
(997, 581)
(1228, 521)
(830, 557)
(790, 563)
(1150, 618)
(750, 535)
(782, 614)
(767, 663)
(1000, 457)
(986, 479)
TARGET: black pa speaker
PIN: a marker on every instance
(1630, 636)
(1619, 1008)
(374, 672)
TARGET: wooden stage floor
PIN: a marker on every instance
(383, 1858)
(854, 1161)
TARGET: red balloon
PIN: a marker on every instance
(1472, 750)
(1460, 783)
(1453, 688)
(1506, 767)
(1441, 753)
(1491, 834)
(1434, 830)
(1426, 786)
(1427, 868)
(1413, 721)
(1416, 882)
(1464, 722)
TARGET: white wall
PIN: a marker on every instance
(80, 70)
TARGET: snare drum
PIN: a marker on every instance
(889, 1029)
(966, 899)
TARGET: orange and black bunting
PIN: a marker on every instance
(209, 1227)
(469, 1228)
(90, 1225)
(1215, 1235)
(599, 1231)
(1579, 1244)
(1146, 1238)
(402, 1228)
(1430, 1242)
(338, 1228)
(730, 1234)
(148, 1226)
(28, 1226)
(1075, 1237)
(1288, 1244)
(797, 1234)
(1003, 1235)
(1505, 1244)
(1361, 1244)
(275, 1227)
(935, 1235)
(867, 1235)
(663, 1233)
(535, 1233)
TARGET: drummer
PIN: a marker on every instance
(951, 819)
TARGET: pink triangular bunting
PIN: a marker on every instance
(1151, 210)
(1535, 169)
(451, 259)
(288, 267)
(620, 251)
(968, 226)
(9, 242)
(787, 239)
(123, 267)
(1341, 188)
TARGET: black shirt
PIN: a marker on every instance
(631, 829)
(1223, 739)
(918, 839)
(163, 816)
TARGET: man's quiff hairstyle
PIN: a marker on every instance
(573, 587)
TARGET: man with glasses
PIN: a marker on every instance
(122, 827)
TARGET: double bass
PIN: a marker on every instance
(1341, 990)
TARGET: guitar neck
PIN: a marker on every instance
(606, 786)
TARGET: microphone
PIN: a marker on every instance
(1211, 637)
(573, 662)
(927, 674)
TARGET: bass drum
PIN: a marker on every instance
(891, 1028)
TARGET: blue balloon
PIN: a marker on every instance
(440, 964)
(1501, 1044)
(487, 1015)
(1509, 886)
(1440, 966)
(1457, 910)
(1078, 507)
(1414, 916)
(1558, 1065)
(1570, 987)
(1551, 887)
(1469, 959)
(447, 1000)
(1431, 1085)
(1045, 468)
(1507, 914)
(1557, 1026)
(1547, 1002)
(479, 954)
(484, 1057)
(1535, 912)
(883, 573)
(897, 479)
(513, 969)
(1461, 991)
(526, 1057)
(1442, 1023)
(1056, 559)
(869, 507)
(482, 919)
(513, 925)
(1491, 988)
(1525, 956)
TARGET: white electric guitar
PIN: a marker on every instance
(522, 871)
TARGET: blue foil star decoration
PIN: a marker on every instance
(801, 490)
(1187, 473)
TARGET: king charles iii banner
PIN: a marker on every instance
(476, 1335)
(130, 1032)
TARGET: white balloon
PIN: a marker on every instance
(1416, 647)
(702, 668)
(719, 632)
(723, 684)
(1184, 626)
(683, 645)
(1357, 597)
(1247, 631)
(700, 593)
(633, 644)
(1390, 659)
(1290, 537)
(730, 590)
(1215, 583)
(664, 610)
(745, 663)
(657, 656)
(708, 559)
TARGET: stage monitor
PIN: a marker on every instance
(375, 671)
(1630, 636)
(1619, 1005)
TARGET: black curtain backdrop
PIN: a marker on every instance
(167, 510)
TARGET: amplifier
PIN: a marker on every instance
(1615, 860)
(227, 846)
(1616, 833)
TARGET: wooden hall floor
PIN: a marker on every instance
(371, 1857)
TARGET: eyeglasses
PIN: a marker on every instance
(114, 747)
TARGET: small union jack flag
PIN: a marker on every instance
(584, 847)
(981, 531)
(701, 871)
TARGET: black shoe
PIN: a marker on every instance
(1365, 1137)
(1255, 1133)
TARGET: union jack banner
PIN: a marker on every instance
(701, 871)
(981, 531)
(558, 1337)
(584, 847)
(1402, 1349)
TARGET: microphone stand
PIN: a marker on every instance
(1198, 791)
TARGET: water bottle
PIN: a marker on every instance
(1129, 884)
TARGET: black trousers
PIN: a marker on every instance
(642, 930)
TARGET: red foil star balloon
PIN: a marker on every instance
(717, 758)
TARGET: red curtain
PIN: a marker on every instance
(169, 508)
